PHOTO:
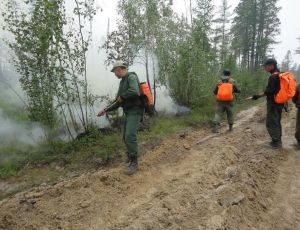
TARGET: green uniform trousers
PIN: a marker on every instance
(132, 120)
(223, 107)
(297, 133)
(273, 121)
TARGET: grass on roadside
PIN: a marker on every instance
(81, 153)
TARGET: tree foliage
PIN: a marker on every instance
(138, 30)
(222, 36)
(255, 28)
(191, 54)
(287, 62)
(50, 50)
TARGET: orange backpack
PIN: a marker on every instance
(147, 98)
(287, 87)
(225, 92)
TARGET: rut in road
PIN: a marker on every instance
(192, 180)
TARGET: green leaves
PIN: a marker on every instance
(50, 54)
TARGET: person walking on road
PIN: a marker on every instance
(224, 91)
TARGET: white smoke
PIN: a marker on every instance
(13, 132)
(101, 82)
(166, 105)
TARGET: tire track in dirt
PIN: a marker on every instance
(226, 182)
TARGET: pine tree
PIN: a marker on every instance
(268, 29)
(255, 27)
(287, 62)
(202, 23)
(222, 33)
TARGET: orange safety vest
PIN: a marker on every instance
(225, 92)
(287, 87)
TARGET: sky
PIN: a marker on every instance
(287, 39)
(290, 28)
(289, 16)
(103, 82)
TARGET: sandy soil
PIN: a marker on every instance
(192, 180)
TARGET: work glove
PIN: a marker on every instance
(255, 97)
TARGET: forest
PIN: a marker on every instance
(48, 42)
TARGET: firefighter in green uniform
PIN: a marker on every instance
(224, 91)
(296, 100)
(274, 110)
(128, 97)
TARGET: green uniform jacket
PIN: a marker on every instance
(129, 91)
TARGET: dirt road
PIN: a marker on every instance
(193, 180)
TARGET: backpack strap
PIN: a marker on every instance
(134, 101)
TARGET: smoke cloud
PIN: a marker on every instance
(101, 82)
(12, 132)
(166, 105)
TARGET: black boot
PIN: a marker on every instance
(275, 145)
(230, 128)
(133, 166)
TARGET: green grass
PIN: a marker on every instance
(80, 153)
(8, 168)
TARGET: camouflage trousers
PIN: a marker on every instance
(224, 107)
